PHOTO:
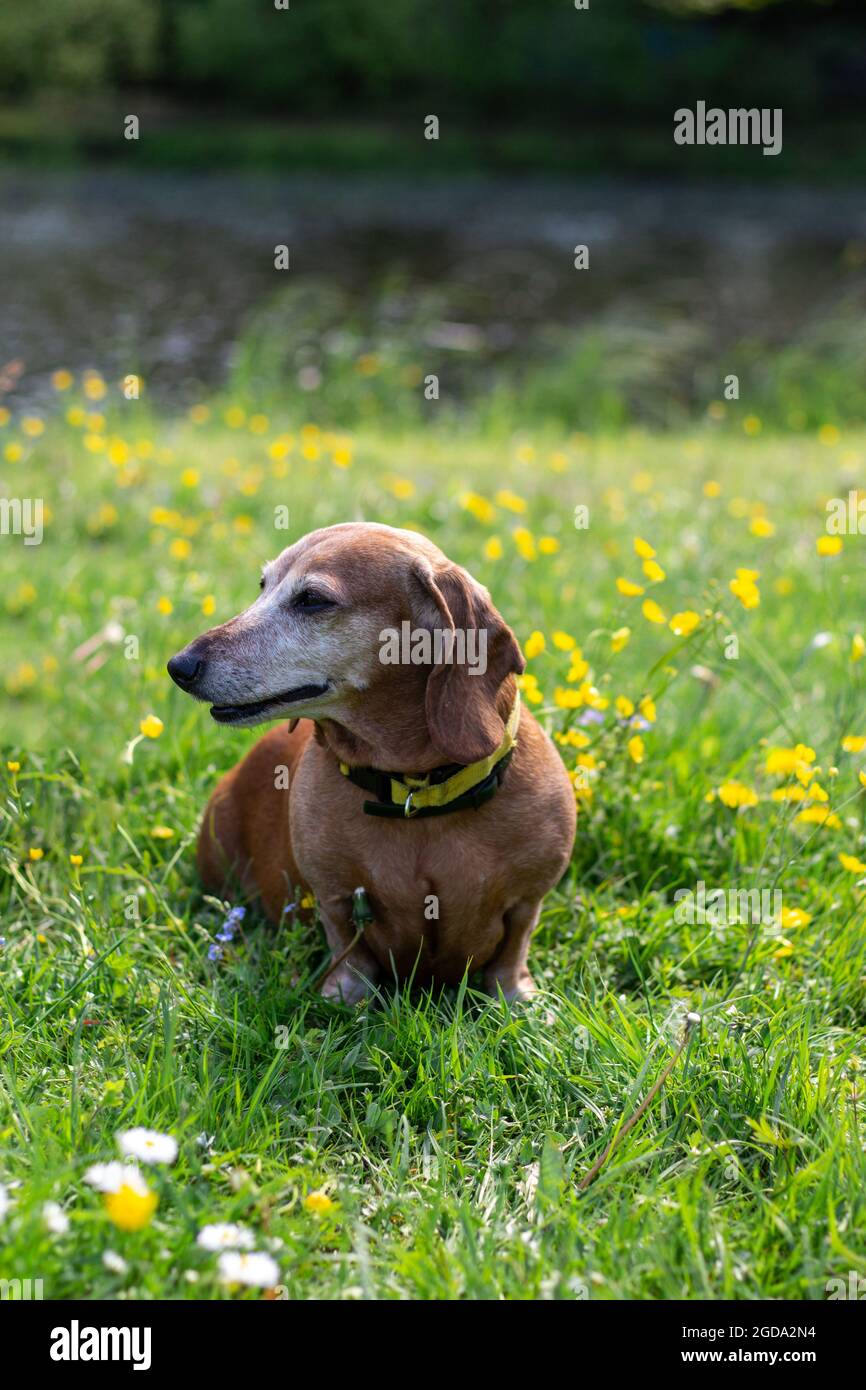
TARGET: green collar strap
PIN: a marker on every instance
(451, 788)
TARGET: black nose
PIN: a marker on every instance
(185, 668)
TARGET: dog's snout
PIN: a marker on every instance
(185, 668)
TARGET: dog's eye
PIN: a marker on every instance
(309, 601)
(262, 582)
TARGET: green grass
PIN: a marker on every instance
(450, 1132)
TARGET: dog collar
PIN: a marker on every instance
(454, 787)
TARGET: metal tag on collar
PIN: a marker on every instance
(408, 809)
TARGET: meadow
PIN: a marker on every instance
(695, 642)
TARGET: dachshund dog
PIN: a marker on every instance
(472, 814)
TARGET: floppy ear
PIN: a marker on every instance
(460, 707)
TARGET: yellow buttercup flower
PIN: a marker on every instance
(745, 589)
(736, 794)
(628, 589)
(858, 647)
(62, 380)
(478, 506)
(528, 684)
(681, 624)
(636, 749)
(653, 571)
(151, 726)
(820, 815)
(574, 738)
(94, 387)
(35, 855)
(648, 709)
(318, 1202)
(791, 917)
(760, 526)
(862, 777)
(854, 743)
(13, 766)
(525, 542)
(534, 645)
(563, 641)
(620, 638)
(208, 605)
(643, 549)
(623, 706)
(165, 606)
(162, 832)
(712, 488)
(829, 545)
(76, 860)
(548, 545)
(510, 500)
(652, 612)
(852, 864)
(493, 548)
(783, 761)
(568, 699)
(791, 793)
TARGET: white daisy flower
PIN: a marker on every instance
(148, 1145)
(225, 1236)
(55, 1218)
(111, 1177)
(114, 1262)
(256, 1269)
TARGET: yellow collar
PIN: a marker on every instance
(401, 795)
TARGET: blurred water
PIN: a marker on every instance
(160, 273)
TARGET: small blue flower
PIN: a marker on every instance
(215, 952)
(591, 716)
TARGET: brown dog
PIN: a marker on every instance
(449, 885)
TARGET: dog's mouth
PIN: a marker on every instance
(235, 714)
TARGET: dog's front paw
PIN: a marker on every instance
(515, 988)
(346, 986)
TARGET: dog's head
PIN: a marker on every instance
(334, 636)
